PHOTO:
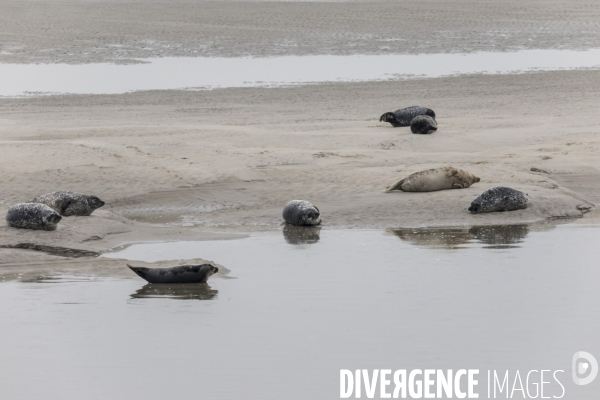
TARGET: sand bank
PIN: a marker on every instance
(192, 164)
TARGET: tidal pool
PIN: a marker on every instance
(299, 305)
(208, 73)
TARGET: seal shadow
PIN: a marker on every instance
(177, 291)
(492, 237)
(301, 234)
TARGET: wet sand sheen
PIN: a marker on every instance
(304, 307)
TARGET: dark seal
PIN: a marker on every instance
(423, 124)
(70, 203)
(499, 199)
(32, 216)
(302, 213)
(178, 274)
(404, 116)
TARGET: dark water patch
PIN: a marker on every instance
(494, 236)
(52, 250)
(185, 291)
(301, 234)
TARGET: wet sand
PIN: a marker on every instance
(118, 31)
(177, 165)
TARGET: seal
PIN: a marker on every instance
(499, 199)
(178, 274)
(70, 203)
(302, 213)
(32, 216)
(404, 116)
(435, 179)
(423, 124)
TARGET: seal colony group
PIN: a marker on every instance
(44, 212)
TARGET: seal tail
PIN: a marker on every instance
(395, 186)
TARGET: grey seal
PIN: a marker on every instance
(32, 216)
(404, 116)
(178, 274)
(499, 199)
(434, 179)
(301, 212)
(423, 124)
(70, 203)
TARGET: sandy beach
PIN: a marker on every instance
(197, 164)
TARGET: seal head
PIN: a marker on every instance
(404, 116)
(499, 199)
(70, 203)
(32, 216)
(302, 213)
(423, 124)
(177, 274)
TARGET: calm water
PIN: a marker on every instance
(199, 72)
(300, 305)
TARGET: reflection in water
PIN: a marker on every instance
(500, 236)
(433, 237)
(301, 234)
(179, 291)
(497, 236)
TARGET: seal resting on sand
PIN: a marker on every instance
(499, 199)
(70, 203)
(178, 274)
(32, 216)
(423, 124)
(404, 116)
(301, 212)
(435, 179)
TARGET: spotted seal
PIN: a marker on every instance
(499, 199)
(70, 203)
(404, 116)
(423, 124)
(301, 212)
(178, 274)
(435, 179)
(32, 216)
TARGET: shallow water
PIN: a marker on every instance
(199, 72)
(298, 306)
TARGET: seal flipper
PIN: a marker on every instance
(396, 186)
(63, 208)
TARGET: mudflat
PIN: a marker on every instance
(186, 164)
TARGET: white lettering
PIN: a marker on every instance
(370, 385)
(542, 383)
(512, 392)
(384, 383)
(563, 388)
(444, 383)
(400, 384)
(457, 392)
(473, 383)
(504, 382)
(411, 384)
(345, 374)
